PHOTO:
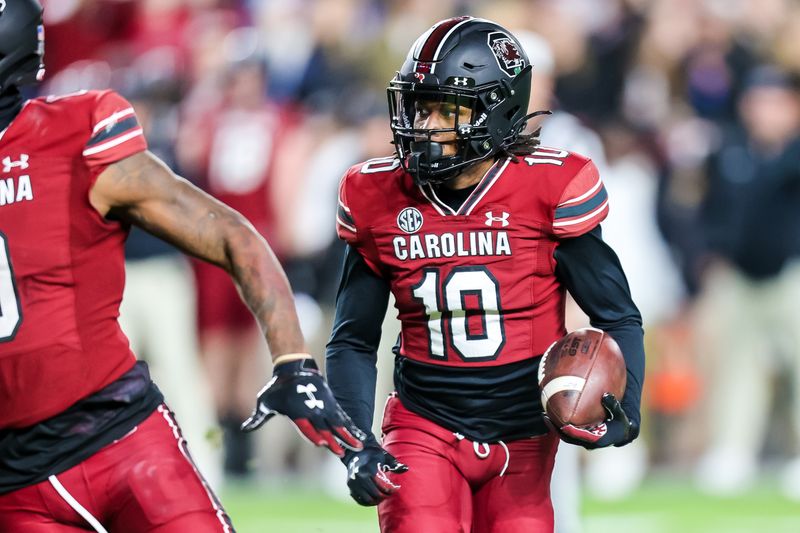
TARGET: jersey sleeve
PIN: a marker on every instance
(116, 133)
(582, 204)
(345, 224)
(349, 229)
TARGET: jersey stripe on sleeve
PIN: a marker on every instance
(569, 210)
(346, 227)
(583, 205)
(114, 117)
(344, 219)
(113, 134)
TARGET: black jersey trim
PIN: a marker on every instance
(30, 455)
(485, 404)
(483, 187)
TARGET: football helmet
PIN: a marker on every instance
(466, 62)
(21, 43)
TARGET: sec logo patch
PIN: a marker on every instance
(409, 220)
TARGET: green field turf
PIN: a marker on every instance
(660, 506)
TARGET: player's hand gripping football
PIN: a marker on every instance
(298, 391)
(367, 475)
(616, 430)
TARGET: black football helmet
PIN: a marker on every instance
(469, 62)
(21, 43)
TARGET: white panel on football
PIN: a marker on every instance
(543, 362)
(559, 384)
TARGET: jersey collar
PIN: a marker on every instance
(486, 182)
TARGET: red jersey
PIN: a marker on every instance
(476, 286)
(61, 264)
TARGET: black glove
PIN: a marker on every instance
(299, 391)
(367, 475)
(616, 430)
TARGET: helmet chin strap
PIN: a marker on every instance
(422, 157)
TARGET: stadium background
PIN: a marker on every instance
(651, 82)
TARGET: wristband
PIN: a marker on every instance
(287, 357)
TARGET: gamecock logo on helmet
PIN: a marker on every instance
(506, 52)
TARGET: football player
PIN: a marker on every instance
(86, 440)
(478, 232)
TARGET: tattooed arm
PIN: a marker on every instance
(145, 192)
(142, 190)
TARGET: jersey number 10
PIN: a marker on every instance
(10, 313)
(475, 331)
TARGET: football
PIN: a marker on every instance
(575, 372)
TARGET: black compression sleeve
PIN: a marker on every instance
(591, 272)
(351, 355)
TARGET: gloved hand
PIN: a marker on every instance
(298, 391)
(616, 430)
(367, 475)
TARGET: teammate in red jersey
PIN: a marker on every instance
(478, 232)
(86, 440)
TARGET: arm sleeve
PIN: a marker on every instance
(352, 351)
(116, 133)
(592, 273)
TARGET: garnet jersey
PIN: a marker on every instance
(61, 263)
(475, 287)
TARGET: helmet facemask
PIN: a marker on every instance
(422, 150)
(493, 124)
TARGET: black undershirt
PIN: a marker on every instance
(454, 198)
(488, 404)
(32, 454)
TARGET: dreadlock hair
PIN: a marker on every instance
(525, 143)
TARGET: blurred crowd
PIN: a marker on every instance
(691, 109)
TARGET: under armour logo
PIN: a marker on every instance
(491, 219)
(354, 468)
(312, 402)
(462, 82)
(2, 5)
(8, 164)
